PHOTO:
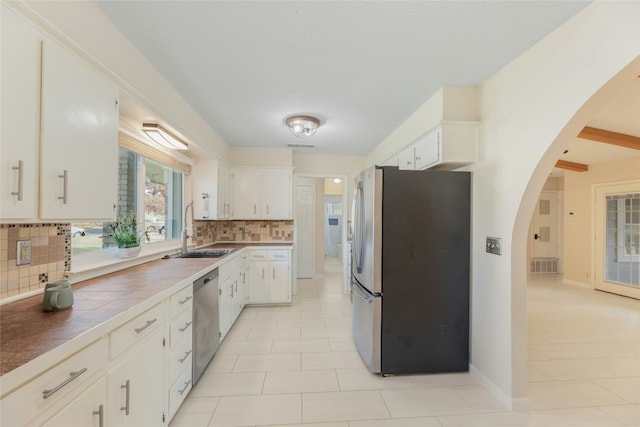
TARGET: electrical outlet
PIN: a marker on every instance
(493, 245)
(24, 252)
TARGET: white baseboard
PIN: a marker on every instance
(510, 403)
(577, 283)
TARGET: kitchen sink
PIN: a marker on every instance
(205, 253)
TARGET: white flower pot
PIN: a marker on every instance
(125, 253)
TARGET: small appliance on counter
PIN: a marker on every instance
(57, 296)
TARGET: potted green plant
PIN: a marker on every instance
(126, 235)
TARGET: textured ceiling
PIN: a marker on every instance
(362, 67)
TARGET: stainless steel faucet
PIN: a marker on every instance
(185, 235)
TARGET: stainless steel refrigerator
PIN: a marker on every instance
(410, 270)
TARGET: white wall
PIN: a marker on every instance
(261, 157)
(578, 199)
(529, 111)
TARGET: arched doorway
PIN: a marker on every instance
(624, 87)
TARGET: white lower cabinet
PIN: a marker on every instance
(231, 294)
(136, 396)
(181, 348)
(270, 276)
(55, 387)
(87, 410)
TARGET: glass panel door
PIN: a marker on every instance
(617, 221)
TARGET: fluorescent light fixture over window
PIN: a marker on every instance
(163, 136)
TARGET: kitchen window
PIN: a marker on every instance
(147, 186)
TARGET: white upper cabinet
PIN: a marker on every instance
(79, 139)
(20, 82)
(262, 194)
(446, 146)
(212, 190)
(276, 195)
(225, 192)
(204, 189)
(406, 158)
(246, 192)
(427, 149)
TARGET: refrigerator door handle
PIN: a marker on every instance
(366, 297)
(358, 227)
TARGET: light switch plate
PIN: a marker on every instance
(494, 245)
(24, 252)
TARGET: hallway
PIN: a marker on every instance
(297, 366)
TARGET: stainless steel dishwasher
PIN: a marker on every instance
(206, 324)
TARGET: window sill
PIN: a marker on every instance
(88, 266)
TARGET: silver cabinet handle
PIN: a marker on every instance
(100, 414)
(72, 376)
(127, 407)
(186, 326)
(274, 273)
(65, 186)
(20, 169)
(186, 386)
(263, 273)
(149, 323)
(231, 288)
(267, 209)
(254, 209)
(185, 357)
(185, 300)
(236, 287)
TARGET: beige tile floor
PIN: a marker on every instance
(295, 366)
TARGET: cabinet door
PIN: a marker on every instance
(246, 194)
(137, 386)
(406, 158)
(276, 195)
(428, 149)
(87, 410)
(223, 193)
(258, 282)
(79, 140)
(279, 281)
(238, 294)
(225, 305)
(20, 105)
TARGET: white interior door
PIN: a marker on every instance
(617, 239)
(305, 223)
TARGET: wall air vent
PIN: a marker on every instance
(300, 145)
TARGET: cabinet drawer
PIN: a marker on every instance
(179, 390)
(258, 255)
(181, 328)
(180, 359)
(181, 300)
(279, 255)
(54, 385)
(134, 330)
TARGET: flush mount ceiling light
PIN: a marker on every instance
(163, 136)
(302, 126)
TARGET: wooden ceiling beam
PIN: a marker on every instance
(608, 137)
(572, 166)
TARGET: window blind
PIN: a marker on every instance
(145, 150)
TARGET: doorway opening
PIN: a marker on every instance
(321, 222)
